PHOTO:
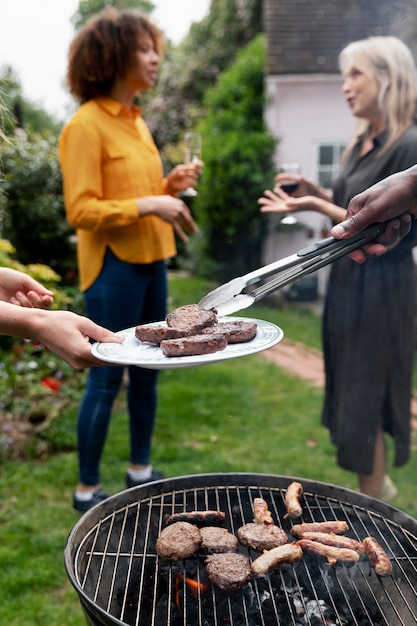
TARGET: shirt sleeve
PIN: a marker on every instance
(80, 155)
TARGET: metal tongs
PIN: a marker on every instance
(238, 294)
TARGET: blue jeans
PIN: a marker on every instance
(124, 295)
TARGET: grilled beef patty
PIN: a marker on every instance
(261, 536)
(215, 539)
(156, 334)
(190, 319)
(191, 331)
(236, 331)
(196, 344)
(178, 541)
(228, 571)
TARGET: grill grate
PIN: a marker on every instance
(112, 563)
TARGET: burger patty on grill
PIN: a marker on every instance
(261, 536)
(228, 571)
(215, 539)
(178, 541)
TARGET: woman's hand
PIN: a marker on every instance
(63, 332)
(278, 201)
(171, 210)
(67, 335)
(184, 176)
(23, 290)
(304, 186)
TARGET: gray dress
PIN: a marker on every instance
(368, 327)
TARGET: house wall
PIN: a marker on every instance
(302, 110)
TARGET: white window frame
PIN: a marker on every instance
(331, 170)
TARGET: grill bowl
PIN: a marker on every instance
(111, 561)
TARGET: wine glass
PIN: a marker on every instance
(192, 154)
(289, 187)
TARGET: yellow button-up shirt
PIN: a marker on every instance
(108, 160)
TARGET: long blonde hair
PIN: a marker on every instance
(391, 63)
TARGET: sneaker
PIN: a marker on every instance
(155, 475)
(389, 490)
(85, 505)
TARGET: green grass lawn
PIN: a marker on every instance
(243, 415)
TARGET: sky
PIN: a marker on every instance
(35, 35)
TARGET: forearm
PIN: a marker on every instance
(332, 211)
(149, 205)
(18, 321)
(317, 190)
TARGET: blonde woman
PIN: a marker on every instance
(369, 309)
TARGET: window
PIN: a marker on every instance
(328, 162)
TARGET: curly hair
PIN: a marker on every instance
(104, 50)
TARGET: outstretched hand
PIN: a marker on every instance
(278, 201)
(23, 290)
(67, 335)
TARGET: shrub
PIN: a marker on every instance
(238, 165)
(33, 213)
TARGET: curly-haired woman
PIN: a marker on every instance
(125, 213)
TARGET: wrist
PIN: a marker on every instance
(146, 205)
(169, 188)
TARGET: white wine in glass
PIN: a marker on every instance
(192, 154)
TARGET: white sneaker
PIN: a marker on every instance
(389, 490)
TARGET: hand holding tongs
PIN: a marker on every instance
(231, 297)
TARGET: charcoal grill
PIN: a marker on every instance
(111, 561)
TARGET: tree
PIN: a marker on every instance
(88, 8)
(21, 112)
(195, 64)
(238, 158)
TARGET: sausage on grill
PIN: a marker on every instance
(377, 556)
(333, 526)
(287, 553)
(261, 512)
(199, 518)
(338, 541)
(292, 499)
(331, 553)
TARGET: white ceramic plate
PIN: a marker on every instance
(135, 352)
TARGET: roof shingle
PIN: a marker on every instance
(306, 36)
